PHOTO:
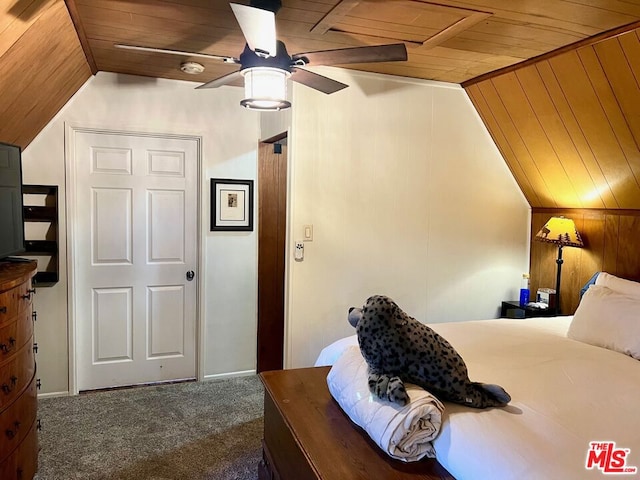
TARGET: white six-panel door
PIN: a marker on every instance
(135, 240)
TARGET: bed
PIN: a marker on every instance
(574, 380)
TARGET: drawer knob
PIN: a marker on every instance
(3, 309)
(7, 389)
(31, 291)
(7, 348)
(11, 433)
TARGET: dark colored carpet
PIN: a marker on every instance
(209, 430)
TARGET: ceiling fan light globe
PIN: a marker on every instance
(265, 88)
(265, 105)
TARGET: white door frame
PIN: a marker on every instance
(71, 216)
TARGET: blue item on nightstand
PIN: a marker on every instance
(524, 296)
(524, 290)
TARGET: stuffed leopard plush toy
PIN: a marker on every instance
(399, 348)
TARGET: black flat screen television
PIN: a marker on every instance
(11, 217)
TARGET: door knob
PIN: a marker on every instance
(190, 275)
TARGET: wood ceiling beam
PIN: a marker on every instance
(82, 36)
(453, 30)
(337, 13)
(331, 21)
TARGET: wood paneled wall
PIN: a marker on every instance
(568, 126)
(41, 66)
(612, 244)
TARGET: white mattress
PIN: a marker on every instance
(565, 394)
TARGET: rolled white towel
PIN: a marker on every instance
(404, 433)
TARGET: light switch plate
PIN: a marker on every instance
(307, 233)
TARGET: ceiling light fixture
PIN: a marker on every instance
(265, 88)
(264, 56)
(192, 68)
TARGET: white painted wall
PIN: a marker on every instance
(274, 123)
(406, 191)
(229, 138)
(408, 197)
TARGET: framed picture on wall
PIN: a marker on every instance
(231, 205)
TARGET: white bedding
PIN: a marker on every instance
(565, 394)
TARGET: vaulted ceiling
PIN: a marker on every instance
(568, 126)
(448, 40)
(49, 48)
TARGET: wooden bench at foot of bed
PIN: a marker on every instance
(308, 436)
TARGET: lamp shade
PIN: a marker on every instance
(560, 231)
(265, 88)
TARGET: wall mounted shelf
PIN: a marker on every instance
(43, 245)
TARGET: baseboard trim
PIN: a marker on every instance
(54, 394)
(207, 378)
(220, 376)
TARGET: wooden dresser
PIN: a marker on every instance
(18, 399)
(307, 436)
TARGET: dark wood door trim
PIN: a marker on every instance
(272, 221)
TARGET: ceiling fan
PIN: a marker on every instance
(266, 65)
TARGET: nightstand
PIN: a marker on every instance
(512, 309)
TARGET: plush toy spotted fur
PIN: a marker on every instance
(399, 348)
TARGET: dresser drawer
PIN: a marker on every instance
(16, 374)
(17, 419)
(14, 334)
(22, 463)
(14, 301)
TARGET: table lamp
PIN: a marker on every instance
(562, 232)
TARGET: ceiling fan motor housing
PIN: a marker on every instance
(266, 65)
(265, 79)
(271, 5)
(251, 59)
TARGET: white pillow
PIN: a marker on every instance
(619, 285)
(608, 319)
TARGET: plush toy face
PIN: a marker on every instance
(399, 348)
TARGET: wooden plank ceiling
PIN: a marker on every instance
(41, 66)
(569, 126)
(448, 40)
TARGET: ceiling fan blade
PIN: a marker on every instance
(258, 27)
(224, 80)
(377, 53)
(318, 82)
(177, 52)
